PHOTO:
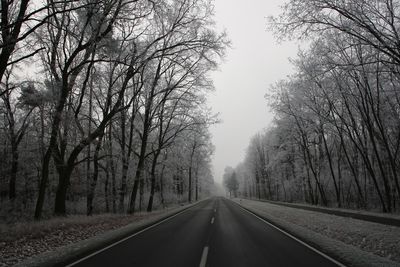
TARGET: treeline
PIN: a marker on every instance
(230, 181)
(103, 104)
(335, 139)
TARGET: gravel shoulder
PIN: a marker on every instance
(54, 241)
(351, 241)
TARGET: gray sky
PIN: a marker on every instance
(254, 63)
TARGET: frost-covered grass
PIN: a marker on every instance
(362, 212)
(355, 242)
(23, 230)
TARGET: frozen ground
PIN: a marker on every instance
(19, 242)
(378, 239)
(395, 216)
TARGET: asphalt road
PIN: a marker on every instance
(216, 232)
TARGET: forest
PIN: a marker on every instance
(335, 137)
(103, 105)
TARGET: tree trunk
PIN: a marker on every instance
(161, 181)
(112, 169)
(106, 183)
(61, 193)
(190, 185)
(89, 179)
(138, 175)
(141, 161)
(52, 143)
(197, 183)
(125, 166)
(14, 169)
(190, 172)
(43, 184)
(153, 180)
(335, 183)
(147, 121)
(92, 188)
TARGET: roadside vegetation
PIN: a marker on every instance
(103, 105)
(335, 138)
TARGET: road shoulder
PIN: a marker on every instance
(383, 218)
(290, 221)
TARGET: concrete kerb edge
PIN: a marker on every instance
(70, 253)
(336, 249)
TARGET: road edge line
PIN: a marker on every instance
(141, 230)
(338, 263)
(70, 253)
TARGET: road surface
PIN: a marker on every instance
(216, 232)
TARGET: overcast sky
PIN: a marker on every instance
(255, 62)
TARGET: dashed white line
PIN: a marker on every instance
(215, 210)
(212, 220)
(203, 260)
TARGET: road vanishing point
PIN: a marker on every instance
(214, 232)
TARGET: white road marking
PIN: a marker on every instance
(215, 210)
(203, 260)
(295, 238)
(212, 220)
(135, 234)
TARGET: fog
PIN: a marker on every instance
(254, 62)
